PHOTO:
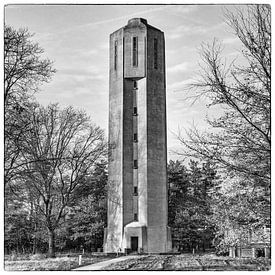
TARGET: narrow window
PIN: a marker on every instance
(135, 190)
(135, 137)
(135, 111)
(155, 53)
(135, 164)
(135, 217)
(135, 85)
(115, 56)
(135, 51)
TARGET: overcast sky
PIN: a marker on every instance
(76, 37)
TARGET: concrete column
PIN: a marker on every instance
(267, 252)
(238, 252)
(253, 252)
(232, 252)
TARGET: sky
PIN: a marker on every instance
(76, 38)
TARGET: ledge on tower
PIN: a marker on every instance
(135, 224)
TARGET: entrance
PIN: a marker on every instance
(134, 243)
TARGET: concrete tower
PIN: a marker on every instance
(137, 187)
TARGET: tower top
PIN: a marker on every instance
(137, 22)
(134, 21)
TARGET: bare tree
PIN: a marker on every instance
(24, 71)
(59, 152)
(240, 142)
(24, 67)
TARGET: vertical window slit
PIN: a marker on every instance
(135, 51)
(155, 53)
(115, 56)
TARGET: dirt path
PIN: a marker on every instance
(100, 265)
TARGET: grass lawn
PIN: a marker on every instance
(58, 263)
(149, 262)
(192, 263)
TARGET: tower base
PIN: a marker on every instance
(140, 238)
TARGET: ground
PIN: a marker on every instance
(191, 262)
(58, 263)
(148, 262)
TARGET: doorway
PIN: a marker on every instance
(134, 243)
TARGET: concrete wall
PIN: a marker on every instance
(156, 143)
(127, 169)
(142, 150)
(137, 29)
(115, 185)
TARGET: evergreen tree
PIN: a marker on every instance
(190, 199)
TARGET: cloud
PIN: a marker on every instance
(183, 9)
(234, 53)
(87, 70)
(191, 29)
(178, 32)
(83, 53)
(127, 16)
(114, 19)
(178, 68)
(180, 85)
(178, 10)
(230, 40)
(184, 30)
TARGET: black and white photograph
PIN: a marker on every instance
(136, 136)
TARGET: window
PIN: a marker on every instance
(135, 111)
(155, 53)
(135, 51)
(135, 137)
(135, 190)
(135, 217)
(115, 56)
(135, 85)
(135, 164)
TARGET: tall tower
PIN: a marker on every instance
(137, 186)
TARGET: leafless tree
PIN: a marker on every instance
(25, 70)
(24, 67)
(59, 152)
(241, 138)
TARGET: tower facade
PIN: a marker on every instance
(137, 184)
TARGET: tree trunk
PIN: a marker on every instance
(51, 251)
(34, 247)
